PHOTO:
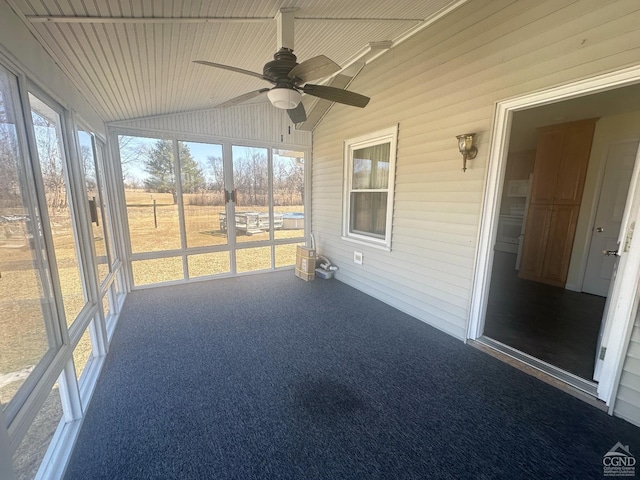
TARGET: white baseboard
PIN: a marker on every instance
(573, 287)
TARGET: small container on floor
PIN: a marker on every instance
(324, 274)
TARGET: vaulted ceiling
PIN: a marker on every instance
(133, 58)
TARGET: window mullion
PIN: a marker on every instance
(6, 465)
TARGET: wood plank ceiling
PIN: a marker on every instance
(133, 58)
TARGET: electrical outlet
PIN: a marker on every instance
(358, 257)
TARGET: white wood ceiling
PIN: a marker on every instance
(133, 58)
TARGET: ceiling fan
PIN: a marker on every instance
(290, 79)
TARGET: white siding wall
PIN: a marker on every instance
(627, 403)
(19, 45)
(441, 83)
(255, 122)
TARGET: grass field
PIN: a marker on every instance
(157, 229)
(24, 305)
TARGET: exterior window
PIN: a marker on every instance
(368, 190)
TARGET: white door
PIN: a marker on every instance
(621, 304)
(613, 196)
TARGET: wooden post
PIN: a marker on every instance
(155, 214)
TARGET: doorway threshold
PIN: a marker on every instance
(578, 387)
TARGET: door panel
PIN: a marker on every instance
(288, 194)
(613, 195)
(622, 296)
(253, 217)
(94, 192)
(203, 194)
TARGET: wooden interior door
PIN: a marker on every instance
(546, 165)
(574, 160)
(560, 168)
(562, 229)
(535, 241)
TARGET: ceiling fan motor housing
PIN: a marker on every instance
(277, 70)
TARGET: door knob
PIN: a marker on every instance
(610, 253)
(599, 229)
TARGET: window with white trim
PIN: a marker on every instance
(370, 162)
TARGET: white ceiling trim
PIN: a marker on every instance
(142, 20)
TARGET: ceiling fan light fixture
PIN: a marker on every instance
(284, 98)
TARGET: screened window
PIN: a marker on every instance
(368, 196)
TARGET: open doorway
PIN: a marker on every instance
(548, 271)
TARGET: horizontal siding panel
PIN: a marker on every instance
(627, 403)
(454, 261)
(634, 349)
(441, 319)
(446, 275)
(631, 380)
(628, 411)
(412, 183)
(630, 396)
(479, 56)
(444, 227)
(427, 271)
(439, 246)
(445, 243)
(635, 334)
(632, 365)
(440, 83)
(259, 122)
(437, 215)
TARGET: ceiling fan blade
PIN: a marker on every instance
(233, 69)
(242, 98)
(336, 95)
(297, 115)
(314, 68)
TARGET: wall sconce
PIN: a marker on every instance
(467, 149)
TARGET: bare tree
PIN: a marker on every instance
(288, 181)
(9, 178)
(251, 177)
(51, 161)
(132, 152)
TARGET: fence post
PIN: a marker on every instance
(155, 215)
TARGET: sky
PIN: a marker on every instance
(199, 151)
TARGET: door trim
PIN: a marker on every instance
(501, 131)
(589, 388)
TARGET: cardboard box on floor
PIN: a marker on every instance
(305, 263)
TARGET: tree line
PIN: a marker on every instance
(250, 174)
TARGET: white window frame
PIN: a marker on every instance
(387, 135)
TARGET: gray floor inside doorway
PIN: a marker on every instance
(553, 324)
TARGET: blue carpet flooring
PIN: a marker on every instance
(270, 377)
